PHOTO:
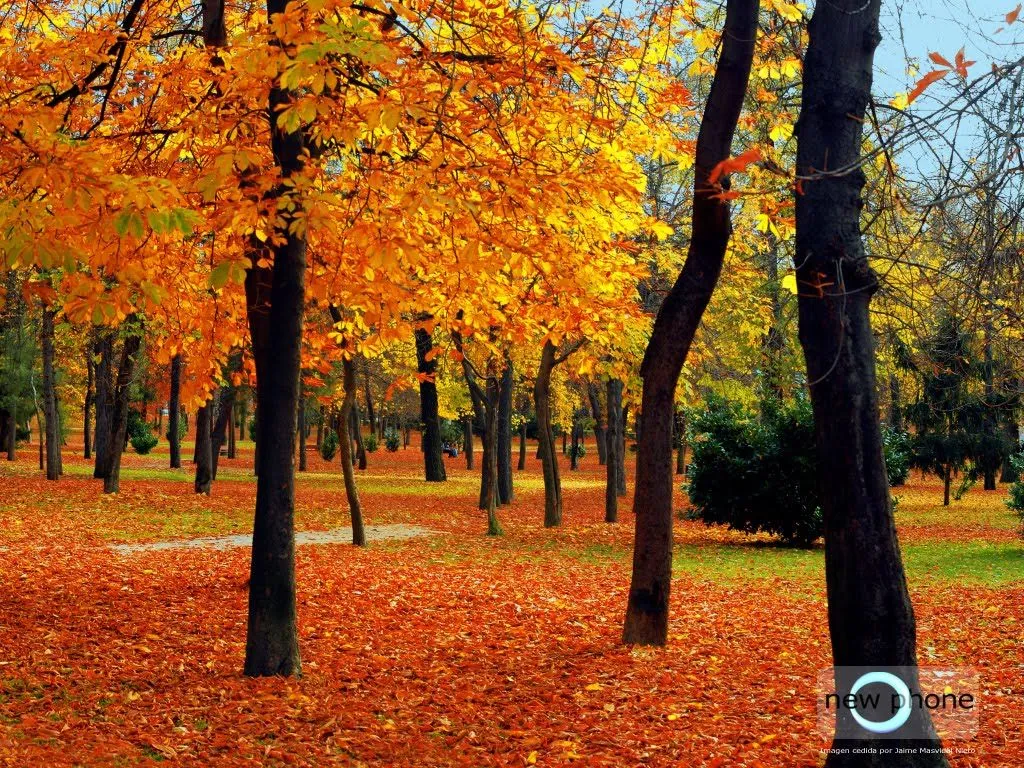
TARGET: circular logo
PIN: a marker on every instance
(901, 689)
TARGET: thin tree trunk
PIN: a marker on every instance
(674, 328)
(522, 446)
(104, 352)
(275, 298)
(620, 474)
(119, 413)
(680, 425)
(204, 448)
(574, 461)
(467, 440)
(614, 442)
(302, 430)
(871, 620)
(504, 445)
(490, 457)
(50, 398)
(368, 393)
(546, 437)
(320, 428)
(223, 426)
(600, 429)
(344, 439)
(89, 396)
(356, 424)
(174, 413)
(426, 365)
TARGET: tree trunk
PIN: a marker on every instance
(204, 448)
(302, 430)
(467, 440)
(565, 442)
(356, 425)
(50, 398)
(89, 396)
(223, 426)
(104, 353)
(173, 413)
(871, 620)
(504, 446)
(577, 430)
(522, 446)
(115, 440)
(680, 439)
(615, 446)
(232, 438)
(320, 428)
(426, 365)
(546, 438)
(355, 508)
(275, 298)
(368, 392)
(674, 328)
(947, 483)
(621, 470)
(600, 430)
(490, 457)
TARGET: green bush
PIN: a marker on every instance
(898, 448)
(182, 428)
(329, 445)
(143, 441)
(756, 475)
(22, 433)
(579, 449)
(761, 473)
(451, 432)
(370, 443)
(392, 440)
(252, 429)
(1016, 498)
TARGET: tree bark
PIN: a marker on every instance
(615, 445)
(490, 457)
(50, 398)
(204, 448)
(546, 436)
(89, 396)
(104, 353)
(600, 429)
(275, 298)
(577, 433)
(680, 444)
(504, 445)
(621, 469)
(674, 328)
(871, 620)
(356, 425)
(467, 440)
(433, 458)
(355, 508)
(368, 392)
(223, 426)
(173, 413)
(302, 430)
(115, 440)
(522, 446)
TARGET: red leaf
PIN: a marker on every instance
(734, 164)
(1012, 15)
(938, 59)
(924, 82)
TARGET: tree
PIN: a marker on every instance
(174, 413)
(550, 357)
(50, 409)
(674, 329)
(871, 620)
(433, 458)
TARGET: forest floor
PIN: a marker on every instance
(456, 648)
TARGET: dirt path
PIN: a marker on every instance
(333, 536)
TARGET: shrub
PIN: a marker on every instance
(329, 445)
(451, 432)
(392, 440)
(898, 449)
(1015, 501)
(756, 475)
(252, 429)
(579, 449)
(22, 433)
(143, 441)
(371, 444)
(182, 429)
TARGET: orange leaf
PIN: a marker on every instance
(734, 164)
(1012, 15)
(924, 82)
(961, 65)
(938, 59)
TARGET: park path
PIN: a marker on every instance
(333, 536)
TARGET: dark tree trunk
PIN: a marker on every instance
(1012, 430)
(577, 432)
(368, 392)
(232, 438)
(90, 374)
(50, 398)
(546, 437)
(947, 483)
(504, 446)
(522, 446)
(119, 414)
(302, 430)
(173, 413)
(7, 430)
(871, 620)
(467, 440)
(433, 458)
(621, 473)
(204, 448)
(600, 430)
(320, 428)
(895, 404)
(223, 426)
(615, 446)
(275, 298)
(680, 443)
(565, 442)
(674, 328)
(490, 457)
(356, 425)
(104, 353)
(355, 508)
(990, 419)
